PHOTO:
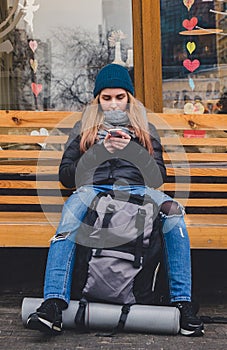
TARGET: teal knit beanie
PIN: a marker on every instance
(113, 76)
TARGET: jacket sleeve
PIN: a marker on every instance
(75, 164)
(144, 161)
(158, 151)
(69, 162)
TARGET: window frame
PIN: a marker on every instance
(147, 53)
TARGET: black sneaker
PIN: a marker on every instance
(47, 318)
(190, 324)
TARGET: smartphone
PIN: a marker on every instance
(114, 132)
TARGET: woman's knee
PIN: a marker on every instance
(170, 208)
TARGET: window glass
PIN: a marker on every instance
(194, 55)
(50, 51)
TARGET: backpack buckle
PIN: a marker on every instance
(110, 208)
(140, 219)
(142, 212)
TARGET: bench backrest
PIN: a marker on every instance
(29, 160)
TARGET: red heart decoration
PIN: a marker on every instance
(33, 45)
(191, 65)
(190, 24)
(36, 88)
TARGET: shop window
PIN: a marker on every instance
(194, 51)
(50, 51)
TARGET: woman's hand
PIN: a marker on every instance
(112, 143)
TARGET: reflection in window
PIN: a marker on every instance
(194, 51)
(209, 90)
(51, 56)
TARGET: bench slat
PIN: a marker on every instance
(194, 141)
(203, 202)
(38, 119)
(208, 237)
(54, 200)
(53, 218)
(28, 169)
(173, 156)
(29, 217)
(165, 121)
(49, 169)
(40, 235)
(29, 154)
(204, 231)
(22, 184)
(206, 220)
(166, 141)
(59, 200)
(193, 187)
(161, 120)
(37, 235)
(195, 157)
(30, 139)
(214, 172)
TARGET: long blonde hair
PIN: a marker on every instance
(93, 117)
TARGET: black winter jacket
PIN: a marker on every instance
(133, 165)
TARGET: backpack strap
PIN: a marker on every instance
(80, 315)
(121, 323)
(110, 209)
(140, 221)
(123, 317)
(108, 215)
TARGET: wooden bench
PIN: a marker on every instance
(31, 196)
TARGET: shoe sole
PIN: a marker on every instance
(37, 323)
(194, 333)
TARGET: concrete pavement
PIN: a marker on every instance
(13, 335)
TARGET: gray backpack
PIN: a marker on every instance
(119, 249)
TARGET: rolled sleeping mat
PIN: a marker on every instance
(141, 318)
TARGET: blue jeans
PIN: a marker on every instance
(62, 251)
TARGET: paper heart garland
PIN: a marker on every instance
(190, 108)
(191, 65)
(36, 88)
(198, 108)
(33, 45)
(189, 24)
(194, 133)
(188, 3)
(41, 132)
(191, 83)
(34, 65)
(191, 46)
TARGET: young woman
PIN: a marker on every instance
(130, 160)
